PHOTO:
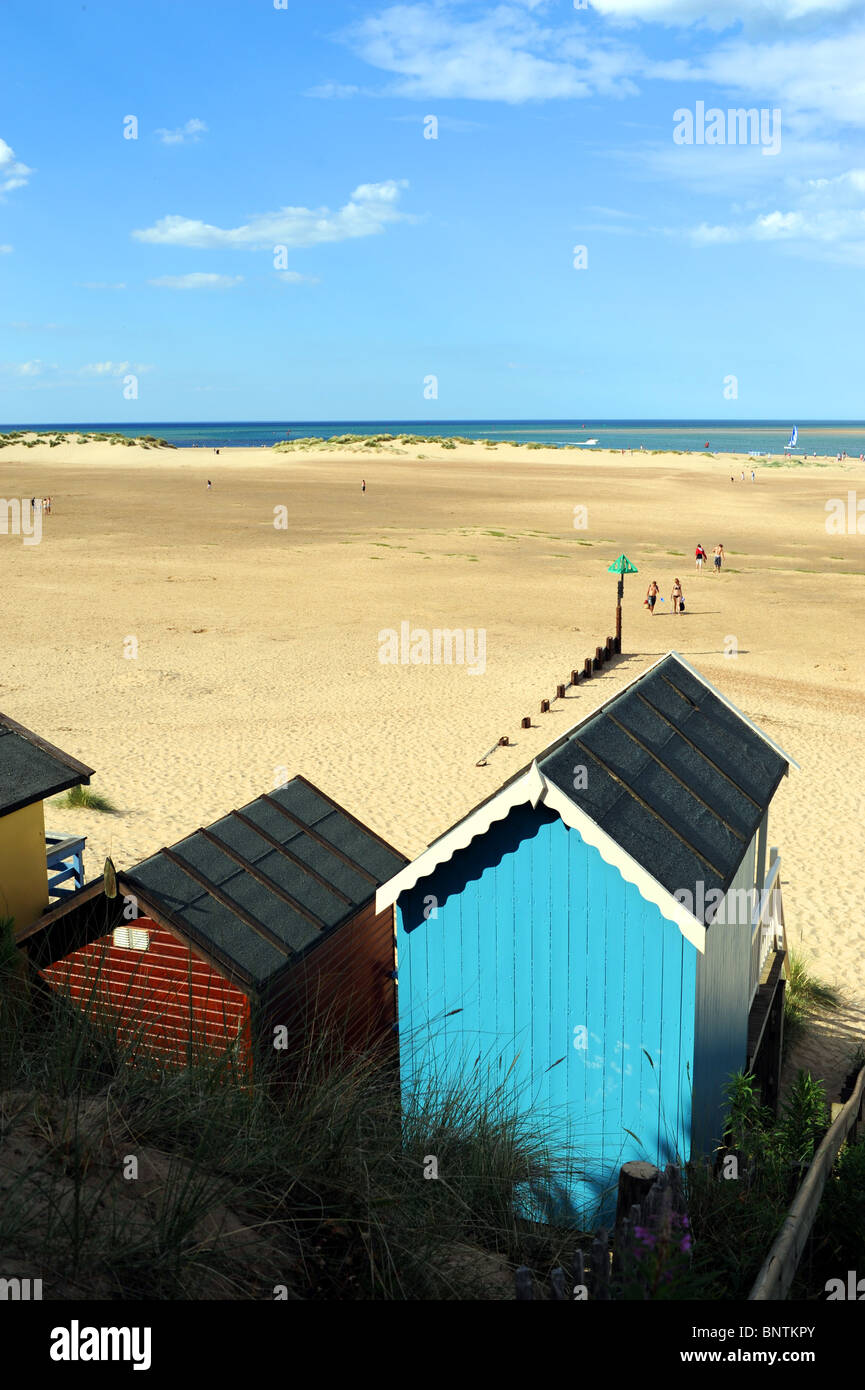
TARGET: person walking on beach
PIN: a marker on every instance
(700, 556)
(752, 476)
(718, 553)
(209, 485)
(363, 484)
(651, 597)
(677, 598)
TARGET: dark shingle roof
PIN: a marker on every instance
(31, 769)
(673, 775)
(264, 884)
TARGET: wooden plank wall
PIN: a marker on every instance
(544, 973)
(163, 996)
(345, 983)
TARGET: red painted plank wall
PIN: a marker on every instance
(160, 997)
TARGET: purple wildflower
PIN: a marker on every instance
(646, 1236)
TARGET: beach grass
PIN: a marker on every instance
(308, 1181)
(806, 997)
(82, 798)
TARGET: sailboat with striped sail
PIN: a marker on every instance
(793, 440)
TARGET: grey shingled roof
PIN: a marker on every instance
(264, 884)
(674, 776)
(31, 769)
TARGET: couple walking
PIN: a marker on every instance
(717, 555)
(677, 598)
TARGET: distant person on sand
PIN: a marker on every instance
(209, 485)
(743, 475)
(651, 597)
(677, 598)
(363, 484)
(700, 556)
(718, 553)
(752, 475)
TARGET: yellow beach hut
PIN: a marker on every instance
(30, 771)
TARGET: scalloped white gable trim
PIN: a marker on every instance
(534, 788)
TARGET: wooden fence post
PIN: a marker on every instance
(524, 1284)
(635, 1184)
(601, 1265)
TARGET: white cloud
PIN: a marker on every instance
(704, 235)
(827, 221)
(498, 54)
(294, 277)
(333, 90)
(25, 326)
(57, 375)
(196, 280)
(105, 368)
(369, 209)
(13, 174)
(191, 132)
(448, 123)
(722, 14)
(5, 250)
(816, 82)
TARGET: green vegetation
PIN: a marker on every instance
(735, 1218)
(82, 798)
(790, 462)
(308, 1174)
(311, 1177)
(52, 439)
(804, 997)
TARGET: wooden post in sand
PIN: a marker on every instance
(621, 567)
(635, 1182)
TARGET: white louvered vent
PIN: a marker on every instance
(132, 938)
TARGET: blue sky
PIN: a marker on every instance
(406, 257)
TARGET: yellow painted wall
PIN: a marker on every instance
(23, 871)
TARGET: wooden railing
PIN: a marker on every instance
(779, 1267)
(64, 855)
(767, 924)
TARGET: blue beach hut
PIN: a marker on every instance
(601, 940)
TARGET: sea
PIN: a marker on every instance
(758, 437)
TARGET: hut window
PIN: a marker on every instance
(132, 938)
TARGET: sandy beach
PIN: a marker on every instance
(196, 654)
